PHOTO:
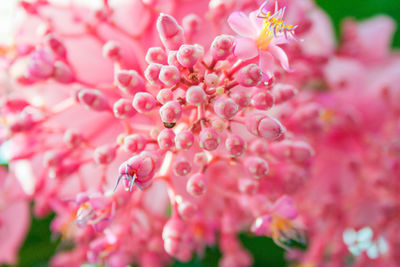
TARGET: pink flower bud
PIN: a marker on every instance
(112, 50)
(241, 98)
(123, 109)
(23, 122)
(56, 45)
(257, 166)
(40, 65)
(259, 147)
(222, 47)
(93, 99)
(172, 60)
(188, 55)
(235, 145)
(144, 102)
(283, 92)
(249, 76)
(226, 108)
(63, 73)
(171, 34)
(152, 73)
(171, 112)
(184, 140)
(166, 139)
(138, 170)
(104, 154)
(248, 186)
(156, 55)
(191, 24)
(170, 75)
(261, 226)
(72, 138)
(129, 81)
(264, 126)
(14, 104)
(165, 95)
(196, 185)
(296, 151)
(200, 158)
(209, 139)
(53, 158)
(262, 100)
(195, 95)
(211, 80)
(182, 167)
(134, 143)
(187, 210)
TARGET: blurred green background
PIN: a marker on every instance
(40, 245)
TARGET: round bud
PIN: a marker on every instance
(129, 81)
(112, 50)
(187, 209)
(211, 80)
(249, 76)
(264, 126)
(134, 143)
(248, 186)
(235, 145)
(184, 140)
(283, 92)
(191, 24)
(170, 75)
(152, 73)
(166, 139)
(195, 95)
(182, 167)
(200, 158)
(172, 60)
(187, 55)
(165, 95)
(56, 45)
(226, 108)
(156, 55)
(93, 99)
(104, 154)
(241, 98)
(63, 73)
(123, 109)
(209, 139)
(259, 147)
(171, 112)
(72, 138)
(262, 100)
(143, 102)
(171, 34)
(222, 47)
(257, 166)
(196, 185)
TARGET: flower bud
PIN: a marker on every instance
(93, 99)
(257, 166)
(62, 72)
(200, 158)
(182, 167)
(172, 60)
(196, 185)
(165, 95)
(191, 24)
(264, 126)
(129, 81)
(56, 45)
(104, 154)
(156, 55)
(248, 186)
(283, 92)
(259, 147)
(166, 139)
(72, 139)
(53, 158)
(171, 34)
(134, 143)
(184, 140)
(209, 139)
(222, 47)
(296, 151)
(211, 80)
(143, 102)
(235, 145)
(188, 55)
(40, 65)
(249, 76)
(187, 210)
(241, 98)
(123, 109)
(171, 112)
(226, 108)
(195, 95)
(169, 75)
(262, 100)
(112, 50)
(261, 226)
(152, 73)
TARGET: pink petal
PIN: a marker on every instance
(281, 56)
(242, 25)
(266, 62)
(257, 22)
(245, 48)
(284, 207)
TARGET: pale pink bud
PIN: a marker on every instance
(196, 185)
(209, 139)
(211, 79)
(257, 166)
(152, 73)
(172, 60)
(296, 151)
(187, 210)
(41, 65)
(169, 75)
(171, 112)
(182, 167)
(156, 55)
(264, 126)
(123, 109)
(24, 122)
(72, 138)
(195, 95)
(173, 235)
(249, 76)
(248, 186)
(129, 81)
(226, 108)
(222, 47)
(191, 24)
(104, 154)
(144, 102)
(259, 147)
(62, 72)
(283, 92)
(166, 139)
(235, 145)
(56, 45)
(241, 98)
(134, 143)
(171, 34)
(188, 55)
(165, 95)
(262, 100)
(93, 99)
(112, 50)
(184, 140)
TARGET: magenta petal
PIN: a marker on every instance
(245, 48)
(281, 56)
(284, 207)
(266, 62)
(242, 25)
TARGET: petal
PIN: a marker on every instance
(242, 25)
(281, 56)
(284, 207)
(245, 48)
(267, 63)
(257, 22)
